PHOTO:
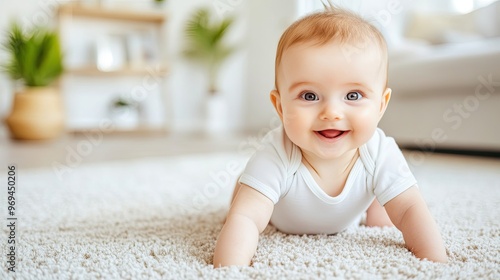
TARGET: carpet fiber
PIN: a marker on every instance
(158, 218)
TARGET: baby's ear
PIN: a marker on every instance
(276, 100)
(386, 97)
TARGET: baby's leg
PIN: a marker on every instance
(376, 216)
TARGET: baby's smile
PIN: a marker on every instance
(331, 134)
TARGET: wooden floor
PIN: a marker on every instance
(87, 148)
(72, 149)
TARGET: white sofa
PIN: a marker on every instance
(446, 92)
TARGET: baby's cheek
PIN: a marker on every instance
(292, 122)
(290, 116)
(368, 115)
(363, 118)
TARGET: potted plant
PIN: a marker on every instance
(35, 62)
(159, 3)
(206, 46)
(124, 113)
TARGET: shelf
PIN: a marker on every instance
(142, 130)
(128, 71)
(113, 14)
(93, 35)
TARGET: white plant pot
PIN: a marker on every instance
(125, 118)
(216, 115)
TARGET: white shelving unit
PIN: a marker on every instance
(113, 54)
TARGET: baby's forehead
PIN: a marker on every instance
(347, 46)
(353, 50)
(359, 61)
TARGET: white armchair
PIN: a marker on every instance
(446, 93)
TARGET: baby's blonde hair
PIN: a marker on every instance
(332, 24)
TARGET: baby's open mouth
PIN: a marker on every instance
(331, 133)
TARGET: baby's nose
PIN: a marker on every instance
(332, 111)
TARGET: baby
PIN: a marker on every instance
(328, 165)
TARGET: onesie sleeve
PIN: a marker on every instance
(392, 176)
(266, 171)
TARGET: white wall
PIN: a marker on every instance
(267, 21)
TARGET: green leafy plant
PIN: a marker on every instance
(122, 102)
(205, 43)
(35, 57)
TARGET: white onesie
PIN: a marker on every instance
(302, 207)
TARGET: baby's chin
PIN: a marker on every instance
(330, 154)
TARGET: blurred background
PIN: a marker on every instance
(148, 77)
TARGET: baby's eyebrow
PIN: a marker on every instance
(356, 84)
(297, 84)
(352, 85)
(360, 86)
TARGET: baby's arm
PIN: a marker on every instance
(249, 215)
(410, 215)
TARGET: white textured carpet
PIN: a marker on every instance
(146, 219)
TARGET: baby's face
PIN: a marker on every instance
(330, 99)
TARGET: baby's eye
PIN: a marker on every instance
(353, 95)
(309, 96)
